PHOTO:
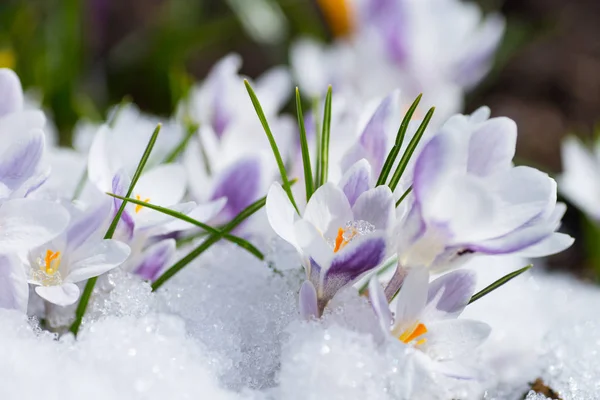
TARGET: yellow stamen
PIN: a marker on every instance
(138, 208)
(413, 333)
(51, 262)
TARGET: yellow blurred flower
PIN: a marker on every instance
(7, 58)
(338, 14)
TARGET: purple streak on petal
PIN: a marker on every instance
(394, 36)
(37, 182)
(11, 93)
(514, 241)
(240, 184)
(356, 183)
(89, 223)
(220, 119)
(21, 162)
(451, 292)
(349, 264)
(120, 184)
(307, 301)
(373, 137)
(155, 259)
(380, 305)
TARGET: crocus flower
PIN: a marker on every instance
(78, 254)
(342, 233)
(469, 198)
(426, 318)
(579, 180)
(14, 290)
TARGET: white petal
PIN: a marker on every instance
(63, 295)
(27, 223)
(380, 305)
(377, 207)
(313, 244)
(163, 185)
(412, 297)
(328, 210)
(555, 243)
(100, 171)
(14, 290)
(281, 214)
(97, 260)
(200, 183)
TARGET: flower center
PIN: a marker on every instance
(138, 207)
(413, 333)
(48, 273)
(351, 231)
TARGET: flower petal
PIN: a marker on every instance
(97, 260)
(11, 98)
(356, 180)
(492, 146)
(412, 296)
(27, 223)
(240, 183)
(20, 159)
(376, 206)
(328, 209)
(61, 295)
(351, 262)
(307, 301)
(14, 290)
(555, 243)
(281, 214)
(380, 305)
(449, 295)
(155, 258)
(89, 223)
(311, 242)
(163, 185)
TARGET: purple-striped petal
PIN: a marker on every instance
(373, 138)
(120, 184)
(20, 160)
(377, 207)
(155, 259)
(356, 181)
(89, 223)
(380, 305)
(358, 257)
(307, 301)
(240, 184)
(492, 146)
(449, 294)
(11, 93)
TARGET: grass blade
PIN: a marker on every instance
(498, 283)
(308, 177)
(89, 286)
(404, 195)
(410, 149)
(212, 239)
(276, 153)
(172, 156)
(324, 150)
(234, 239)
(393, 154)
(315, 115)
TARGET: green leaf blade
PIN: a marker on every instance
(395, 150)
(498, 283)
(263, 120)
(308, 175)
(325, 136)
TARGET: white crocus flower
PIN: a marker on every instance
(79, 254)
(426, 318)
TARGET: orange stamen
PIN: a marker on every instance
(50, 257)
(339, 240)
(410, 335)
(339, 15)
(138, 207)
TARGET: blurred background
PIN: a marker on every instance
(82, 56)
